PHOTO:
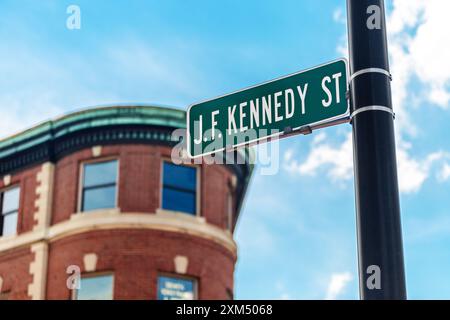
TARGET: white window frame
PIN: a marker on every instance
(88, 275)
(2, 192)
(81, 183)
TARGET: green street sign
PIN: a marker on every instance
(297, 103)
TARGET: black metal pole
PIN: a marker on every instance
(380, 248)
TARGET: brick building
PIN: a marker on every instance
(92, 207)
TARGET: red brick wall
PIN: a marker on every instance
(139, 182)
(27, 180)
(14, 269)
(214, 190)
(140, 171)
(136, 257)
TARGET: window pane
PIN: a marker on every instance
(101, 198)
(170, 288)
(179, 201)
(180, 176)
(9, 224)
(96, 288)
(100, 173)
(11, 200)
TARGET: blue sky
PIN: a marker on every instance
(296, 234)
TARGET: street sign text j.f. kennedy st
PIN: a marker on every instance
(297, 103)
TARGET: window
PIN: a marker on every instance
(99, 185)
(179, 188)
(98, 287)
(176, 288)
(9, 203)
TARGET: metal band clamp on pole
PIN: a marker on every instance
(372, 108)
(370, 70)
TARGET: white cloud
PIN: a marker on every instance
(402, 70)
(319, 137)
(412, 173)
(405, 14)
(439, 96)
(444, 173)
(337, 285)
(416, 31)
(339, 16)
(430, 51)
(338, 159)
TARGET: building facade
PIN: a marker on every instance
(92, 207)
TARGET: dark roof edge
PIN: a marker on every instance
(98, 116)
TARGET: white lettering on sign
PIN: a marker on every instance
(268, 101)
(278, 118)
(289, 96)
(213, 123)
(254, 111)
(258, 112)
(242, 116)
(297, 103)
(327, 80)
(336, 77)
(326, 103)
(231, 121)
(267, 109)
(200, 129)
(302, 94)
